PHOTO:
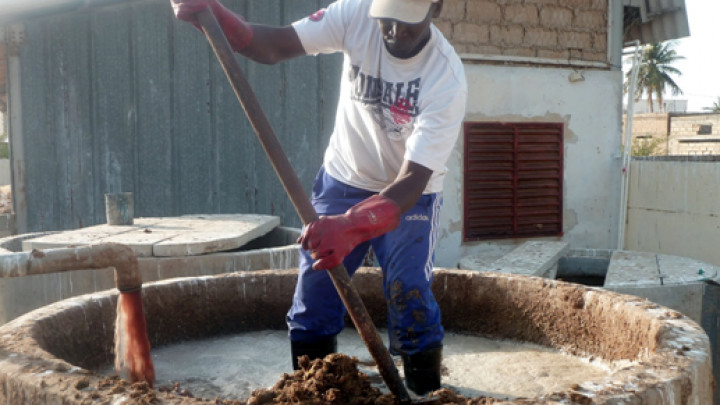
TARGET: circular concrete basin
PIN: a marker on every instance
(46, 355)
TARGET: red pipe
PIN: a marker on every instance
(132, 346)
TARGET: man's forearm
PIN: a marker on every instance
(271, 45)
(261, 43)
(408, 186)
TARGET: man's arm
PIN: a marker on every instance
(331, 238)
(408, 185)
(261, 43)
(271, 45)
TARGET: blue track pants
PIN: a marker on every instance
(406, 258)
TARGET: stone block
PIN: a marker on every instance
(483, 11)
(599, 5)
(519, 51)
(524, 14)
(590, 20)
(553, 54)
(599, 41)
(507, 35)
(446, 27)
(540, 37)
(556, 17)
(471, 33)
(576, 4)
(484, 49)
(574, 39)
(454, 10)
(595, 56)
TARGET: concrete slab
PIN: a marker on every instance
(629, 269)
(632, 269)
(535, 258)
(683, 270)
(687, 299)
(484, 257)
(95, 234)
(166, 237)
(19, 295)
(686, 285)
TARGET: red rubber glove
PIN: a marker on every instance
(238, 32)
(330, 239)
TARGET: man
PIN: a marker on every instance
(402, 102)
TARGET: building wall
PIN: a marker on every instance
(592, 113)
(678, 134)
(687, 137)
(536, 31)
(650, 128)
(555, 29)
(673, 206)
(655, 125)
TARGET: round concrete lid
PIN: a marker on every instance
(683, 270)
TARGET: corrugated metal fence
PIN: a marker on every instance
(126, 98)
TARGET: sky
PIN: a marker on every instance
(700, 79)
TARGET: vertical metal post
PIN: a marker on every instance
(15, 137)
(615, 34)
(627, 150)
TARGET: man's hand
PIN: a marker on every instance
(185, 10)
(331, 238)
(238, 32)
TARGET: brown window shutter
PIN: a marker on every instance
(513, 180)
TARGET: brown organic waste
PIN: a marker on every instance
(140, 393)
(334, 380)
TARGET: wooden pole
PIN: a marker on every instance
(340, 278)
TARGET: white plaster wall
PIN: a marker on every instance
(673, 208)
(592, 112)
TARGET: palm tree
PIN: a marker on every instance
(655, 71)
(715, 107)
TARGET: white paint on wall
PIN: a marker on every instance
(591, 110)
(673, 208)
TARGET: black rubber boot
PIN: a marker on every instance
(422, 370)
(314, 350)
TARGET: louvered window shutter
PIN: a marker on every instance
(513, 180)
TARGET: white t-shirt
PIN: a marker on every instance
(390, 109)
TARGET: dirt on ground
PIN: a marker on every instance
(334, 380)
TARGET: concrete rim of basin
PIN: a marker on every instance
(45, 353)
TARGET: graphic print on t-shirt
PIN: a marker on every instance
(317, 16)
(394, 105)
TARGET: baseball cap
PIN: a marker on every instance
(407, 11)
